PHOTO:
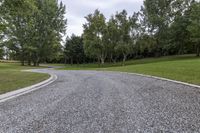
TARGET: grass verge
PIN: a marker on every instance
(12, 78)
(182, 68)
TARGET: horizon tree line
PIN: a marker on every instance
(31, 31)
(160, 28)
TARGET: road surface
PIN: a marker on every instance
(103, 102)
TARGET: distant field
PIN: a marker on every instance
(12, 78)
(183, 68)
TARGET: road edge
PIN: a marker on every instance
(22, 91)
(160, 78)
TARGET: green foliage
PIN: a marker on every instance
(74, 50)
(110, 39)
(1, 53)
(157, 16)
(49, 24)
(124, 45)
(167, 22)
(145, 46)
(32, 31)
(94, 35)
(194, 27)
(34, 28)
(162, 27)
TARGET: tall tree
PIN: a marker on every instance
(124, 44)
(94, 36)
(18, 14)
(2, 28)
(49, 25)
(1, 52)
(157, 15)
(178, 33)
(74, 49)
(35, 28)
(112, 36)
(194, 27)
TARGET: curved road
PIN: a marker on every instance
(90, 101)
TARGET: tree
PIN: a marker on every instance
(194, 27)
(74, 49)
(178, 34)
(18, 15)
(2, 28)
(35, 28)
(157, 17)
(94, 36)
(145, 46)
(112, 37)
(1, 52)
(49, 25)
(124, 26)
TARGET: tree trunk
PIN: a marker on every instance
(99, 63)
(34, 63)
(65, 60)
(22, 62)
(38, 64)
(181, 50)
(157, 53)
(38, 61)
(124, 59)
(77, 62)
(22, 58)
(198, 50)
(71, 61)
(111, 58)
(114, 60)
(29, 62)
(102, 61)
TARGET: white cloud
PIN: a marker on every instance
(78, 9)
(104, 4)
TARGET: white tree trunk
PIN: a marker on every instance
(102, 60)
(124, 59)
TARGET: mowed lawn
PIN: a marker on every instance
(182, 68)
(12, 78)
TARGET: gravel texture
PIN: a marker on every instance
(103, 102)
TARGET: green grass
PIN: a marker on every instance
(12, 78)
(183, 68)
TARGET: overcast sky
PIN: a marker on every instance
(76, 10)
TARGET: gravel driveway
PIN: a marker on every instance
(103, 102)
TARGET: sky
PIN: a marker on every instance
(76, 10)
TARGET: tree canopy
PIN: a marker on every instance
(32, 31)
(34, 28)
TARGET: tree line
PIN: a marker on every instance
(31, 30)
(160, 28)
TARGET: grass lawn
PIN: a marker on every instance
(12, 78)
(183, 68)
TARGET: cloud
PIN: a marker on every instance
(78, 9)
(104, 4)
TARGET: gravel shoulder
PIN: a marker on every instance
(91, 101)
